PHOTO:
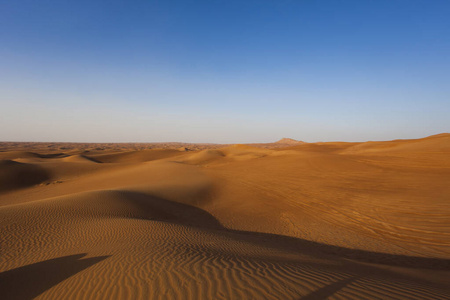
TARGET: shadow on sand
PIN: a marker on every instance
(158, 209)
(32, 280)
(19, 283)
(329, 290)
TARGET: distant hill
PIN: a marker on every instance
(288, 141)
(284, 142)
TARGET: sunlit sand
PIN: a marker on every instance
(287, 220)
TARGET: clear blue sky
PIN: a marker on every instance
(226, 71)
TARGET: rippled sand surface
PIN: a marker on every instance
(308, 221)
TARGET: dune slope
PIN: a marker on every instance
(312, 221)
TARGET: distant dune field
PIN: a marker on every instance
(286, 220)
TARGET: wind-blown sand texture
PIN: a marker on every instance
(303, 221)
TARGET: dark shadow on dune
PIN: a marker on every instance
(313, 248)
(14, 175)
(30, 281)
(328, 290)
(93, 159)
(154, 208)
(90, 158)
(52, 155)
(158, 209)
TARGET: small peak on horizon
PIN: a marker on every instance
(289, 141)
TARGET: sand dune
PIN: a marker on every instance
(136, 156)
(308, 221)
(80, 159)
(435, 143)
(15, 175)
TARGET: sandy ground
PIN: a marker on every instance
(277, 221)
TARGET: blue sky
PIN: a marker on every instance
(223, 71)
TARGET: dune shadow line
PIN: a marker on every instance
(328, 290)
(160, 209)
(30, 281)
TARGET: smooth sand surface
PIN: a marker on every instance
(304, 221)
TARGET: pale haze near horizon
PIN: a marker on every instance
(223, 71)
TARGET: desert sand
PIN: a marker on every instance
(287, 220)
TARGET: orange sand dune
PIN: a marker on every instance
(309, 221)
(136, 156)
(435, 143)
(15, 175)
